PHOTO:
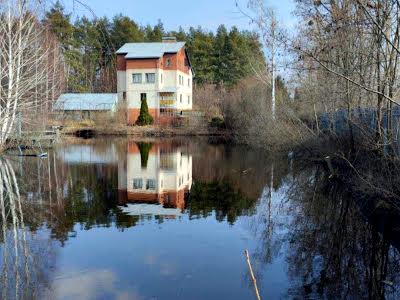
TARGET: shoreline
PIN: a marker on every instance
(144, 131)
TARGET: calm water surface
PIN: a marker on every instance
(170, 219)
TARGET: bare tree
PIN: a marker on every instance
(355, 48)
(265, 20)
(29, 60)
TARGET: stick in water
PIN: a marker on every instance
(252, 274)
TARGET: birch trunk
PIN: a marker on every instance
(25, 54)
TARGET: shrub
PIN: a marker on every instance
(217, 122)
(144, 117)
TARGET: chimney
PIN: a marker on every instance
(169, 39)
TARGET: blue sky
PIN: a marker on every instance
(174, 13)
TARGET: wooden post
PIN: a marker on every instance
(253, 278)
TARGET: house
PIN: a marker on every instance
(157, 177)
(161, 174)
(86, 105)
(159, 73)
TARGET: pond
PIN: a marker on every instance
(171, 218)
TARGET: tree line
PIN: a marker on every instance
(89, 47)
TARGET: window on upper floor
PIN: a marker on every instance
(181, 98)
(168, 62)
(150, 77)
(188, 82)
(137, 78)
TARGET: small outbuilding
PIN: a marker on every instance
(86, 106)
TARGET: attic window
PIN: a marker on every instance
(168, 63)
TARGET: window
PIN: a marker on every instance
(137, 78)
(137, 183)
(161, 77)
(150, 77)
(188, 99)
(124, 95)
(189, 82)
(150, 184)
(168, 63)
(143, 96)
(181, 98)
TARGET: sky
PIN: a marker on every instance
(208, 14)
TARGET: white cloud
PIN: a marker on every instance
(89, 285)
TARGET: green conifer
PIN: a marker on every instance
(144, 117)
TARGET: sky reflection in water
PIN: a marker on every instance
(170, 219)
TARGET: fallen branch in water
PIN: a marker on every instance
(252, 274)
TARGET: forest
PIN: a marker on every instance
(336, 97)
(89, 46)
(292, 150)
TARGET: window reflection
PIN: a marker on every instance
(161, 175)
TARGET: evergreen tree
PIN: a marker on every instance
(89, 49)
(200, 48)
(220, 55)
(180, 35)
(88, 40)
(59, 23)
(144, 116)
(106, 75)
(156, 33)
(125, 30)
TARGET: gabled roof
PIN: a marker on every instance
(149, 50)
(86, 102)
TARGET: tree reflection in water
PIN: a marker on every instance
(26, 257)
(335, 246)
(221, 198)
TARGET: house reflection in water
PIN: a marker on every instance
(155, 179)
